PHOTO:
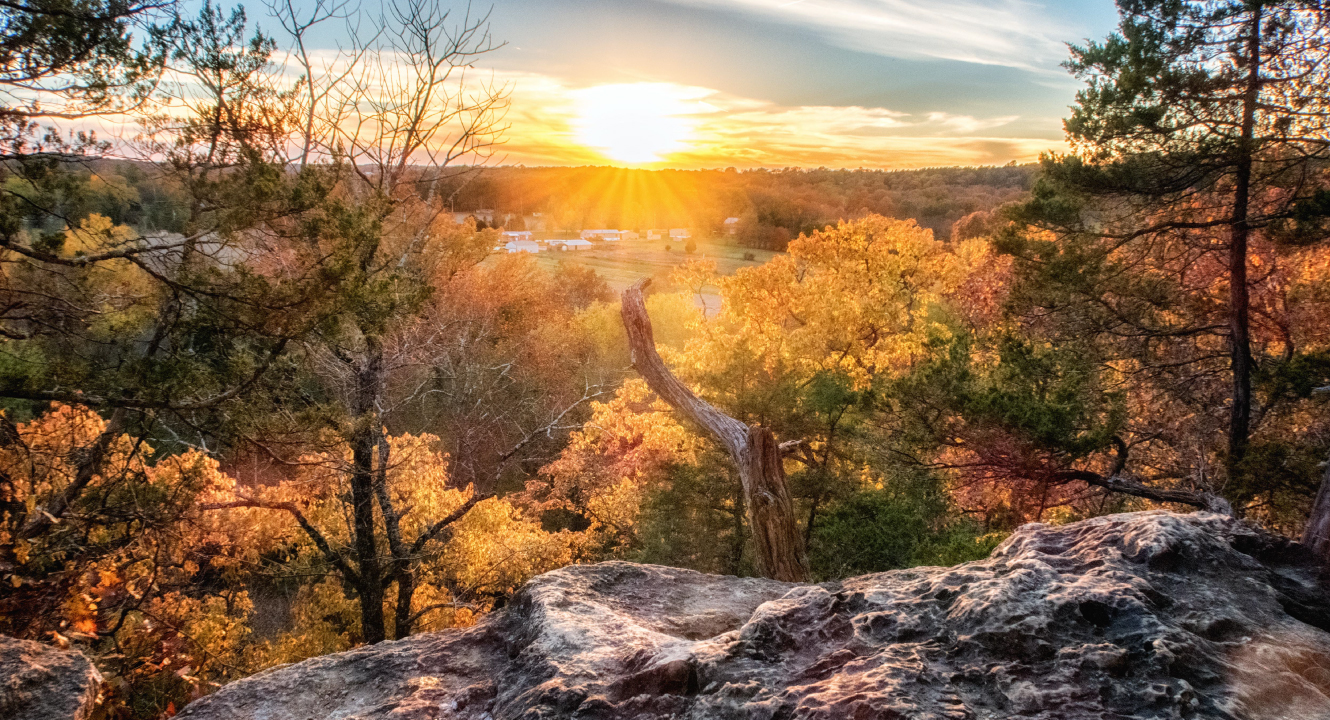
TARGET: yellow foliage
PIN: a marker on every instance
(138, 593)
(675, 318)
(861, 298)
(122, 295)
(489, 552)
(603, 472)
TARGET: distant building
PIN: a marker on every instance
(574, 244)
(486, 216)
(679, 234)
(606, 235)
(627, 235)
(731, 226)
(657, 234)
(521, 246)
(511, 235)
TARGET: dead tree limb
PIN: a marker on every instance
(1116, 481)
(1119, 484)
(780, 548)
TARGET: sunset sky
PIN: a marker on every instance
(775, 83)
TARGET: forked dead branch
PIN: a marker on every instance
(754, 450)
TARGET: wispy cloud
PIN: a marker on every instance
(995, 32)
(968, 124)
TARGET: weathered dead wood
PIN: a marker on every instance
(1317, 533)
(754, 450)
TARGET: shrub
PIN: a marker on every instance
(904, 525)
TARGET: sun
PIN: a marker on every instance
(636, 123)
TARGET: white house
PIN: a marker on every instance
(679, 234)
(606, 235)
(657, 234)
(521, 246)
(731, 226)
(575, 244)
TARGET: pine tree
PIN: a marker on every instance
(1204, 130)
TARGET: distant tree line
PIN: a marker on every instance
(773, 206)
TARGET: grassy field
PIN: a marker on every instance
(624, 263)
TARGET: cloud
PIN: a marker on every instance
(1011, 33)
(968, 124)
(715, 129)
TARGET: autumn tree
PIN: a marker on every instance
(1200, 144)
(460, 568)
(803, 343)
(160, 334)
(133, 572)
(803, 348)
(404, 108)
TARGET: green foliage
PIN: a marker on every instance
(695, 519)
(79, 51)
(907, 522)
(1175, 248)
(1047, 394)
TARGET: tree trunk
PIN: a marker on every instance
(368, 382)
(780, 549)
(406, 591)
(392, 525)
(1239, 304)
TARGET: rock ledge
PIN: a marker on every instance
(1144, 615)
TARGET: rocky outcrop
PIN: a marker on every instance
(39, 682)
(1147, 615)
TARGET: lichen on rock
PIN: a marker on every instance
(39, 682)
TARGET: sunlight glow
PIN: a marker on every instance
(636, 122)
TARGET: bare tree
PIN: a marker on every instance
(393, 110)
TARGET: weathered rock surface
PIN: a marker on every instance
(39, 682)
(1147, 615)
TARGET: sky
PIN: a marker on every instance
(781, 83)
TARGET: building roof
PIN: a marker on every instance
(522, 246)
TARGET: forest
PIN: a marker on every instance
(264, 399)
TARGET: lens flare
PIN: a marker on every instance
(636, 123)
